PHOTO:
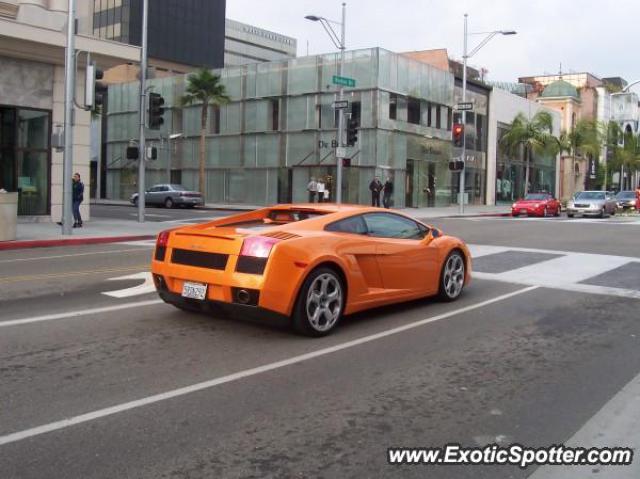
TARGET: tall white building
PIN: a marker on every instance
(248, 44)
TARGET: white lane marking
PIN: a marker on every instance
(616, 424)
(75, 254)
(500, 249)
(151, 215)
(146, 287)
(75, 314)
(100, 413)
(478, 250)
(559, 284)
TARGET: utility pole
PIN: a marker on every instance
(143, 108)
(69, 94)
(463, 156)
(341, 122)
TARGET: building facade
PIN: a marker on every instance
(188, 32)
(32, 45)
(507, 170)
(280, 127)
(248, 44)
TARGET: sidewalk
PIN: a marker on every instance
(108, 230)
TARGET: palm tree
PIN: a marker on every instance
(204, 87)
(534, 135)
(584, 140)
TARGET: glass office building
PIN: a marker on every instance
(279, 128)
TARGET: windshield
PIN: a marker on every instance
(537, 196)
(590, 195)
(626, 195)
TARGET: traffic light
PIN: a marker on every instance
(456, 165)
(346, 162)
(156, 111)
(458, 135)
(352, 132)
(94, 90)
(133, 152)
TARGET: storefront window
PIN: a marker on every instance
(24, 157)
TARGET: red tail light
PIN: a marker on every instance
(163, 238)
(258, 246)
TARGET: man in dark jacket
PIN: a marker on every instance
(77, 197)
(376, 187)
(388, 193)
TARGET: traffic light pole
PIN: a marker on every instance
(143, 97)
(341, 122)
(69, 94)
(464, 121)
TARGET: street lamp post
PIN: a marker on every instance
(465, 56)
(340, 43)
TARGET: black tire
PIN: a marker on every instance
(135, 201)
(603, 213)
(569, 215)
(168, 203)
(301, 321)
(453, 262)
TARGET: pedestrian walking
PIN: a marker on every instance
(321, 189)
(77, 198)
(312, 188)
(638, 198)
(387, 193)
(376, 187)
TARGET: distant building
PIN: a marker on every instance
(188, 32)
(248, 44)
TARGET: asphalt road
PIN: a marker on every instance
(132, 388)
(156, 213)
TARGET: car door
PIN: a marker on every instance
(406, 258)
(150, 197)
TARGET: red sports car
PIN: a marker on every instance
(536, 204)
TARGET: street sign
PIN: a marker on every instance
(341, 152)
(464, 106)
(340, 104)
(344, 81)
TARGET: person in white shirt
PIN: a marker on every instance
(312, 188)
(321, 190)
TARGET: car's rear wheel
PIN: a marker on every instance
(452, 277)
(168, 203)
(135, 201)
(320, 303)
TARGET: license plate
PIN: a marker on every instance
(194, 290)
(523, 212)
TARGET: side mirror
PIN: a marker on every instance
(435, 233)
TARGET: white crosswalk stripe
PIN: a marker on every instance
(567, 272)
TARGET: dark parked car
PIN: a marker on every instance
(626, 199)
(170, 195)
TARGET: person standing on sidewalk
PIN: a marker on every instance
(638, 198)
(312, 188)
(77, 198)
(375, 187)
(388, 193)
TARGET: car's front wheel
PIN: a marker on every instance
(452, 277)
(320, 303)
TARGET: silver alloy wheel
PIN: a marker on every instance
(324, 302)
(453, 275)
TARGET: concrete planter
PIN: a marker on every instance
(8, 216)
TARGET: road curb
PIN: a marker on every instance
(48, 243)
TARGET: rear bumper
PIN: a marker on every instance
(182, 200)
(232, 310)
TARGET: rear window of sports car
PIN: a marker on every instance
(277, 217)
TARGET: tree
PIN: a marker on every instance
(584, 140)
(626, 156)
(204, 87)
(534, 135)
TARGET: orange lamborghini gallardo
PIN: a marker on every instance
(309, 263)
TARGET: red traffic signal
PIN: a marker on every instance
(458, 135)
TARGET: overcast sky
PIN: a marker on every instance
(584, 35)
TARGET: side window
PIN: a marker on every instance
(386, 225)
(354, 225)
(155, 189)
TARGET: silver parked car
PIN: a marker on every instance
(170, 195)
(592, 203)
